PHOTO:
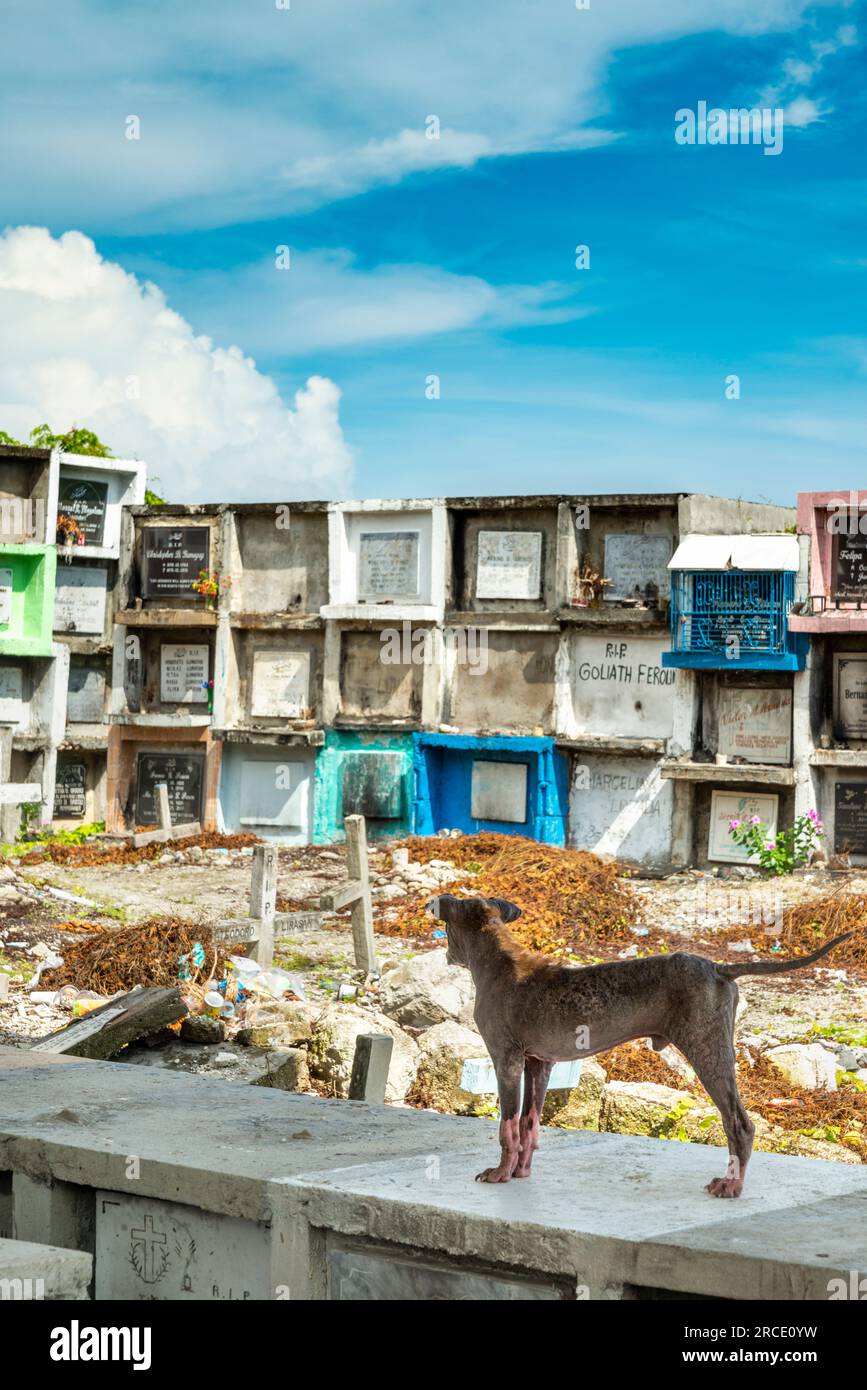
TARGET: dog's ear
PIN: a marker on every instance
(507, 911)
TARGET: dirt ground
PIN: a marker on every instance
(691, 904)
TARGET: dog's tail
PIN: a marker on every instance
(774, 967)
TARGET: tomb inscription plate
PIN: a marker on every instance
(726, 806)
(11, 694)
(756, 724)
(280, 684)
(509, 565)
(172, 558)
(637, 567)
(388, 565)
(86, 694)
(183, 774)
(850, 817)
(80, 599)
(70, 791)
(85, 500)
(183, 673)
(850, 709)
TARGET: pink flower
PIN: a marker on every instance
(769, 844)
(734, 825)
(754, 820)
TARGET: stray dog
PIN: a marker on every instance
(533, 1012)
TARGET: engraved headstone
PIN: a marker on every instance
(637, 567)
(726, 806)
(850, 817)
(509, 564)
(5, 597)
(85, 698)
(11, 694)
(79, 599)
(274, 793)
(70, 791)
(852, 567)
(850, 705)
(171, 560)
(280, 685)
(183, 673)
(373, 785)
(147, 1249)
(183, 774)
(85, 501)
(388, 565)
(499, 791)
(756, 724)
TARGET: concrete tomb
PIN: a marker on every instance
(388, 565)
(237, 1192)
(274, 793)
(637, 567)
(11, 694)
(184, 775)
(850, 817)
(85, 698)
(172, 558)
(499, 791)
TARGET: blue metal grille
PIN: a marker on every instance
(711, 609)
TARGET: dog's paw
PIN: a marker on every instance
(493, 1175)
(725, 1187)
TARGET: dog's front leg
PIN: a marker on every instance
(536, 1076)
(509, 1071)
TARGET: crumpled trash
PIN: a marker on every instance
(52, 961)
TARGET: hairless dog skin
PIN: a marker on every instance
(533, 1012)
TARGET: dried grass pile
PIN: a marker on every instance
(96, 852)
(147, 954)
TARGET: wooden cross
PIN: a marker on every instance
(356, 890)
(258, 930)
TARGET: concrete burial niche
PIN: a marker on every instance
(387, 560)
(168, 547)
(617, 687)
(380, 673)
(79, 788)
(140, 756)
(26, 599)
(169, 672)
(243, 1192)
(274, 679)
(501, 680)
(504, 554)
(517, 786)
(627, 540)
(620, 805)
(267, 790)
(93, 491)
(25, 496)
(365, 774)
(278, 557)
(81, 600)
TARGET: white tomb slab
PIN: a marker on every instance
(152, 1250)
(11, 694)
(5, 597)
(620, 687)
(850, 693)
(85, 696)
(726, 806)
(274, 793)
(80, 599)
(280, 684)
(637, 566)
(499, 791)
(509, 564)
(183, 673)
(756, 723)
(388, 565)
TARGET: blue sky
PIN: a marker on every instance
(410, 257)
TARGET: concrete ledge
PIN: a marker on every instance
(729, 772)
(29, 1271)
(838, 757)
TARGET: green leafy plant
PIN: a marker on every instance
(789, 849)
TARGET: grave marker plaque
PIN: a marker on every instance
(172, 558)
(852, 567)
(11, 694)
(85, 501)
(850, 692)
(70, 791)
(499, 792)
(373, 785)
(727, 806)
(280, 684)
(756, 724)
(184, 775)
(509, 564)
(86, 694)
(388, 565)
(183, 673)
(80, 599)
(637, 567)
(274, 793)
(5, 597)
(850, 817)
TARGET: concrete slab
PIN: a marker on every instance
(29, 1271)
(593, 1206)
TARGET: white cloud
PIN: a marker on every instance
(803, 111)
(248, 111)
(83, 341)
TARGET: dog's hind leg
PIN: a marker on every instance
(536, 1075)
(713, 1056)
(509, 1068)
